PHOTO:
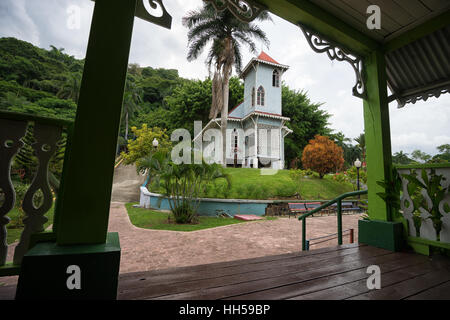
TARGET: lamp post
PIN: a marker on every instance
(155, 144)
(357, 165)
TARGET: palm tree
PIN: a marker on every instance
(131, 100)
(361, 140)
(71, 87)
(227, 34)
(153, 165)
(55, 52)
(401, 158)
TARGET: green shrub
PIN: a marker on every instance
(185, 213)
(341, 177)
(241, 192)
(258, 192)
(266, 192)
(300, 174)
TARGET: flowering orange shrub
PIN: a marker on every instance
(323, 156)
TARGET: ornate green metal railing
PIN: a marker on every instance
(43, 138)
(337, 200)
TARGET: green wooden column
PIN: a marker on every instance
(88, 171)
(380, 231)
(377, 134)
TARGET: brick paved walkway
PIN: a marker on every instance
(144, 249)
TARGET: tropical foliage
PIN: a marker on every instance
(307, 120)
(155, 97)
(392, 190)
(182, 184)
(142, 146)
(420, 157)
(401, 158)
(351, 152)
(432, 183)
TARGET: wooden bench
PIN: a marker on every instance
(346, 206)
(302, 207)
(295, 208)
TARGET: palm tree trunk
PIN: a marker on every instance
(226, 72)
(126, 126)
(224, 118)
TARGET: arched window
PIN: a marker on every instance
(275, 78)
(253, 96)
(260, 96)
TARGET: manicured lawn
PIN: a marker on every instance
(150, 219)
(250, 184)
(14, 233)
(247, 183)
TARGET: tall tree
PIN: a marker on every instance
(322, 155)
(401, 158)
(444, 155)
(55, 52)
(445, 148)
(307, 120)
(71, 87)
(420, 156)
(361, 141)
(131, 100)
(351, 152)
(227, 34)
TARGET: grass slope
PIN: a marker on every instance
(248, 183)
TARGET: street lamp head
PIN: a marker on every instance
(155, 143)
(357, 163)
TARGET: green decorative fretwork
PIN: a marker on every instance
(244, 10)
(144, 11)
(335, 52)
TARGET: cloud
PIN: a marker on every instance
(424, 125)
(16, 22)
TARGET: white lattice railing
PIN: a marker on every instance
(427, 210)
(46, 136)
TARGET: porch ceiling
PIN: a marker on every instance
(415, 71)
(414, 34)
(397, 16)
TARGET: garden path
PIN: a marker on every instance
(145, 249)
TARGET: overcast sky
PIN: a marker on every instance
(423, 125)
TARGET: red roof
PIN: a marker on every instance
(265, 57)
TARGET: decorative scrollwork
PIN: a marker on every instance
(320, 45)
(423, 96)
(244, 10)
(163, 20)
(10, 134)
(46, 138)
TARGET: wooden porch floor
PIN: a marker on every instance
(328, 273)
